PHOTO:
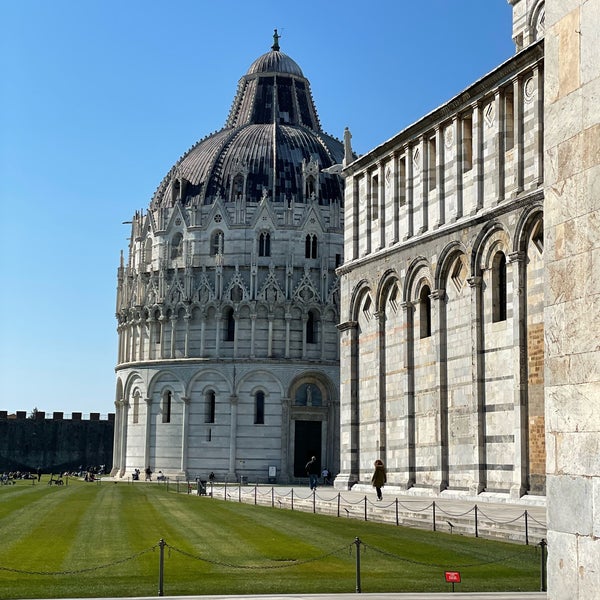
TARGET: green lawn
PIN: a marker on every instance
(89, 540)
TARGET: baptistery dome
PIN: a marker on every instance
(227, 303)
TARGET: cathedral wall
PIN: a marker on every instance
(442, 385)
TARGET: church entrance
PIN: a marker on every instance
(307, 443)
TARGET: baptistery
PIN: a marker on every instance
(228, 298)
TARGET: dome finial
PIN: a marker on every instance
(276, 37)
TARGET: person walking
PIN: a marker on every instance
(312, 470)
(379, 478)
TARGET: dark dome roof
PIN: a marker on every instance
(272, 130)
(275, 62)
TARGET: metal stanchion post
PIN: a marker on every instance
(543, 586)
(161, 565)
(526, 529)
(433, 507)
(357, 543)
(476, 525)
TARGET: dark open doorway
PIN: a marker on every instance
(307, 444)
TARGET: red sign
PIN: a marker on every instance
(452, 576)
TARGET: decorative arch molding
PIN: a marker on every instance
(418, 272)
(177, 386)
(527, 221)
(210, 375)
(132, 380)
(536, 21)
(491, 232)
(325, 385)
(266, 378)
(387, 280)
(445, 262)
(359, 292)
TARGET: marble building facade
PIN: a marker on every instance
(442, 352)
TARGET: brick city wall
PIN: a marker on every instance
(55, 444)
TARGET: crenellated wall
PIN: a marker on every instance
(55, 444)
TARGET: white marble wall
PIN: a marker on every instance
(572, 302)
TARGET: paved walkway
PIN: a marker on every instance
(492, 516)
(392, 596)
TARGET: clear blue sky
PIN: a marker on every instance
(99, 98)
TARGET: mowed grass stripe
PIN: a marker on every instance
(109, 522)
(30, 529)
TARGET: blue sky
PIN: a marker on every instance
(99, 98)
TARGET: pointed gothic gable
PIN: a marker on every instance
(312, 220)
(152, 294)
(306, 290)
(237, 289)
(204, 291)
(218, 214)
(264, 217)
(270, 290)
(178, 213)
(176, 291)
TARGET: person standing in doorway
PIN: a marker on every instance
(379, 478)
(312, 470)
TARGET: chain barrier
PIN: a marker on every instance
(440, 566)
(85, 570)
(294, 561)
(262, 495)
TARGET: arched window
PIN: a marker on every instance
(499, 288)
(216, 243)
(259, 408)
(312, 327)
(166, 406)
(310, 246)
(148, 250)
(264, 244)
(210, 406)
(136, 406)
(229, 332)
(177, 245)
(425, 312)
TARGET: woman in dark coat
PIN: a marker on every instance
(379, 478)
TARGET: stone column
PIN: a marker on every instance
(349, 407)
(382, 200)
(148, 432)
(477, 157)
(253, 337)
(538, 112)
(185, 425)
(117, 440)
(124, 419)
(408, 420)
(457, 126)
(499, 146)
(173, 321)
(285, 474)
(409, 192)
(233, 401)
(355, 218)
(395, 198)
(439, 334)
(521, 420)
(186, 349)
(380, 360)
(423, 143)
(143, 326)
(518, 163)
(369, 215)
(439, 167)
(288, 321)
(478, 406)
(161, 321)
